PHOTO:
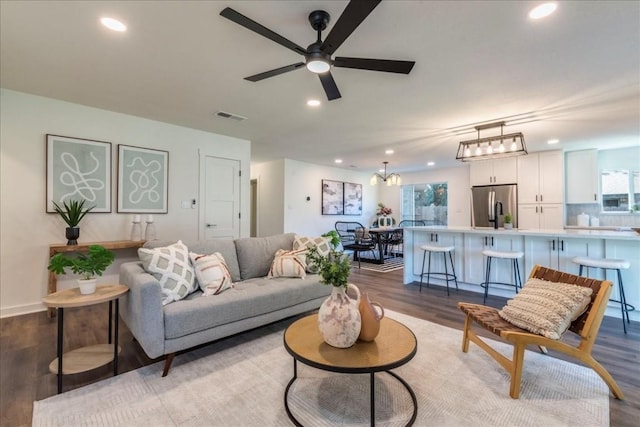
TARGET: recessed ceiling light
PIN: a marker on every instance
(338, 160)
(553, 141)
(542, 11)
(389, 152)
(113, 24)
(430, 163)
(313, 103)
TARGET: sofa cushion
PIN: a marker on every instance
(171, 267)
(546, 308)
(226, 247)
(289, 264)
(212, 273)
(255, 254)
(322, 243)
(246, 299)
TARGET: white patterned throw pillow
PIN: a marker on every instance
(546, 308)
(322, 243)
(171, 267)
(212, 273)
(289, 264)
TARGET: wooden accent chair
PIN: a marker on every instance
(586, 326)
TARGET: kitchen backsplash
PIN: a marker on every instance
(606, 219)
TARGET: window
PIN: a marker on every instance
(620, 190)
(426, 202)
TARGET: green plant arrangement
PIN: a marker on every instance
(88, 265)
(73, 211)
(508, 219)
(334, 268)
(334, 238)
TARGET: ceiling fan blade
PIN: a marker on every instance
(252, 25)
(355, 12)
(329, 85)
(387, 65)
(277, 71)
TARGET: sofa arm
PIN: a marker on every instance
(141, 308)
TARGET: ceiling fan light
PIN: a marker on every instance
(318, 66)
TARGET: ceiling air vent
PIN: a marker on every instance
(232, 116)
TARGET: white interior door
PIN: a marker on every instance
(221, 198)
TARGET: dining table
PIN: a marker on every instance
(380, 236)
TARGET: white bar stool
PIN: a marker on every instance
(609, 264)
(447, 276)
(514, 257)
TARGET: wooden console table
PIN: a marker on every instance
(52, 286)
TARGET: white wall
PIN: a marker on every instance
(283, 187)
(27, 231)
(459, 210)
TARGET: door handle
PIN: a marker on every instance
(211, 225)
(541, 197)
(553, 245)
(491, 240)
(562, 245)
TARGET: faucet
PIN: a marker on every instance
(495, 214)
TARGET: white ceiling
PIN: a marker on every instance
(574, 76)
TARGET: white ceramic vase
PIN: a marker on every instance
(87, 286)
(339, 317)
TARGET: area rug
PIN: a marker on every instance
(390, 264)
(240, 382)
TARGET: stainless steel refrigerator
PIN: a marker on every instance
(486, 200)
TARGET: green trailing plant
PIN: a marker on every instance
(334, 268)
(334, 238)
(88, 265)
(73, 211)
(508, 219)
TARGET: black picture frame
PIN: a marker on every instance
(332, 197)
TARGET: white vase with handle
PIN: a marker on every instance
(339, 317)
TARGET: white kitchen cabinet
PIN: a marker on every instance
(546, 216)
(540, 177)
(437, 260)
(475, 262)
(557, 252)
(498, 171)
(582, 176)
(540, 186)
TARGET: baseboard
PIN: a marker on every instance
(21, 309)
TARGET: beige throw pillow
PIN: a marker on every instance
(546, 308)
(212, 273)
(322, 243)
(171, 267)
(289, 264)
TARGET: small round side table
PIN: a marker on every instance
(91, 357)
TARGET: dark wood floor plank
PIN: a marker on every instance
(28, 344)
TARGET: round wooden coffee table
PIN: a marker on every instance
(394, 346)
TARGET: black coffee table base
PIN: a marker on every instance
(372, 396)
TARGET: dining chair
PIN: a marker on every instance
(354, 237)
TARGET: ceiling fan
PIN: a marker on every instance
(318, 54)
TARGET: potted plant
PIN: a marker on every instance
(334, 238)
(508, 221)
(88, 265)
(72, 214)
(339, 316)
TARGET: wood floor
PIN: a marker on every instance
(28, 345)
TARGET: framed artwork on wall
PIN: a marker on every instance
(352, 198)
(78, 169)
(142, 180)
(332, 197)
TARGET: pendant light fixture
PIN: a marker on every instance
(492, 147)
(390, 179)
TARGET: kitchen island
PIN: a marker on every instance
(550, 248)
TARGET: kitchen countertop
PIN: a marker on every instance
(570, 232)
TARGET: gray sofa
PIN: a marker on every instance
(254, 301)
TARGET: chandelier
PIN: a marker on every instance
(492, 147)
(390, 179)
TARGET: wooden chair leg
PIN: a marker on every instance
(167, 364)
(465, 334)
(516, 370)
(605, 375)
